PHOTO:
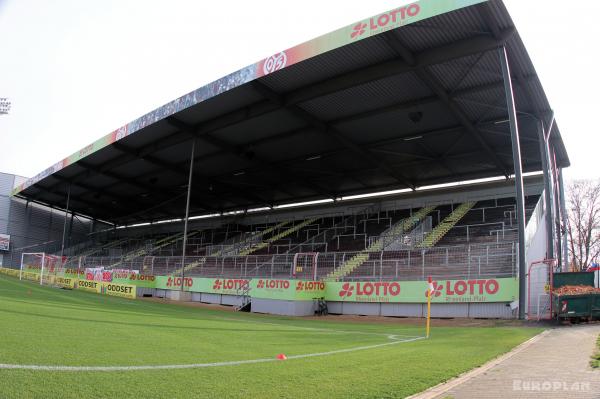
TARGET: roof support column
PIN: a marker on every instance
(516, 152)
(70, 231)
(62, 245)
(187, 211)
(563, 213)
(548, 198)
(556, 194)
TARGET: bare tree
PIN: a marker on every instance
(583, 228)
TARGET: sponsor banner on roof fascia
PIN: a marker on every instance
(445, 291)
(395, 18)
(4, 242)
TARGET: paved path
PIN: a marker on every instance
(553, 365)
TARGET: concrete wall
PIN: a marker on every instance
(500, 310)
(229, 300)
(286, 308)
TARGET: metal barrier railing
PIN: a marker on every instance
(461, 261)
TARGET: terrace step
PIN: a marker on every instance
(404, 225)
(276, 237)
(449, 221)
(247, 243)
(158, 244)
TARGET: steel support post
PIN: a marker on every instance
(544, 155)
(556, 196)
(516, 152)
(563, 213)
(62, 245)
(187, 211)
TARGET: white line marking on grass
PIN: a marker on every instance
(316, 328)
(394, 339)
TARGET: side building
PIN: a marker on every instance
(28, 226)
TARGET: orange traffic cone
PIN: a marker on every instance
(281, 356)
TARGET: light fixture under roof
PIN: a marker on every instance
(313, 158)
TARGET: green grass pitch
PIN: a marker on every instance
(51, 327)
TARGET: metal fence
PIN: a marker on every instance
(454, 262)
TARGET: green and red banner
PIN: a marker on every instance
(290, 290)
(139, 280)
(395, 18)
(444, 291)
(227, 286)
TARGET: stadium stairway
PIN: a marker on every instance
(399, 228)
(445, 225)
(276, 237)
(75, 261)
(237, 248)
(163, 242)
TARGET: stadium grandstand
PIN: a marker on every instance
(417, 143)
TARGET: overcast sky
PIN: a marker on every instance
(76, 70)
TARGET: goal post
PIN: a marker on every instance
(39, 267)
(304, 266)
(32, 264)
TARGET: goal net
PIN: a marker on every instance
(41, 267)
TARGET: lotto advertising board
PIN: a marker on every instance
(290, 290)
(444, 291)
(227, 286)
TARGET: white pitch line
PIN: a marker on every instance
(393, 337)
(198, 365)
(317, 328)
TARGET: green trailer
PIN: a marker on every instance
(575, 308)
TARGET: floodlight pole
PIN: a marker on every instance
(62, 245)
(516, 152)
(544, 155)
(187, 211)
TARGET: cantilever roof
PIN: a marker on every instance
(407, 98)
